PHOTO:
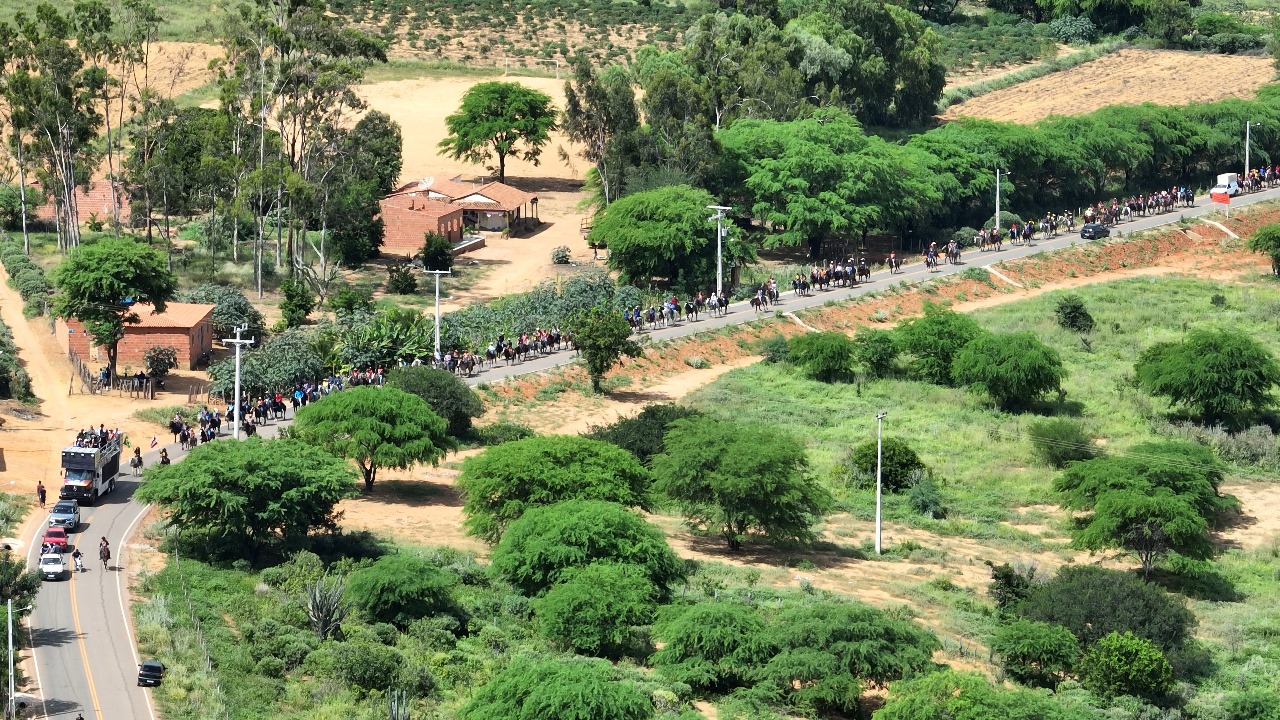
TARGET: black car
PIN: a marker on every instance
(1093, 231)
(150, 673)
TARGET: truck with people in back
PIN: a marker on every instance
(89, 471)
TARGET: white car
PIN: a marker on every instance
(53, 566)
(1231, 189)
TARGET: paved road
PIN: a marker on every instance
(82, 631)
(913, 273)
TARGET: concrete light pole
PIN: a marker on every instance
(998, 200)
(719, 218)
(879, 447)
(236, 402)
(438, 273)
(1248, 124)
(13, 687)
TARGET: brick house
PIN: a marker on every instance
(96, 200)
(407, 218)
(486, 206)
(186, 326)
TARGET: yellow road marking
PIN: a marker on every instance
(84, 654)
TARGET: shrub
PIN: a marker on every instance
(502, 431)
(642, 434)
(1126, 665)
(446, 393)
(826, 356)
(1218, 300)
(437, 252)
(160, 360)
(1013, 368)
(401, 588)
(231, 309)
(711, 646)
(774, 348)
(537, 549)
(350, 299)
(876, 351)
(1252, 705)
(925, 499)
(367, 666)
(1010, 585)
(1078, 30)
(1059, 442)
(298, 302)
(900, 464)
(503, 482)
(1073, 315)
(1036, 653)
(560, 255)
(401, 280)
(934, 340)
(570, 688)
(1221, 375)
(593, 611)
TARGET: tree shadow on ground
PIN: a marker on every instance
(414, 493)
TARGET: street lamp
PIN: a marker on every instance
(719, 218)
(879, 445)
(13, 688)
(236, 402)
(1248, 124)
(998, 200)
(438, 273)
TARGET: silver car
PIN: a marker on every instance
(66, 514)
(53, 566)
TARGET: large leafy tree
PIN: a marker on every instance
(1035, 653)
(951, 695)
(711, 646)
(401, 588)
(1150, 526)
(1221, 375)
(934, 340)
(1015, 369)
(375, 427)
(738, 478)
(503, 482)
(99, 284)
(595, 610)
(500, 119)
(827, 652)
(599, 111)
(603, 337)
(827, 356)
(231, 309)
(644, 433)
(446, 393)
(574, 688)
(240, 497)
(546, 542)
(281, 363)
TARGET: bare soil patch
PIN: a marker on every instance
(1259, 521)
(1131, 76)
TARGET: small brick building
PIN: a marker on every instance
(407, 218)
(186, 326)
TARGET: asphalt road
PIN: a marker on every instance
(81, 629)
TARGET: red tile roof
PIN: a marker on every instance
(490, 196)
(175, 315)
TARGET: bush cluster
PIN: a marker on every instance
(26, 277)
(14, 382)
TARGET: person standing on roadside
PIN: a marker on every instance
(40, 492)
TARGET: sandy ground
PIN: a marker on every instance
(957, 79)
(1132, 76)
(421, 105)
(1260, 517)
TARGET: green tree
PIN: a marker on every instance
(876, 351)
(281, 363)
(711, 646)
(594, 610)
(1149, 526)
(1010, 585)
(545, 542)
(401, 588)
(1266, 240)
(240, 497)
(503, 482)
(827, 652)
(826, 356)
(899, 463)
(644, 433)
(376, 148)
(502, 119)
(603, 337)
(1091, 602)
(934, 340)
(298, 302)
(951, 695)
(367, 665)
(1061, 441)
(1035, 653)
(18, 584)
(437, 252)
(599, 109)
(1126, 665)
(663, 236)
(1221, 375)
(1188, 470)
(739, 478)
(231, 309)
(529, 688)
(1015, 369)
(99, 284)
(375, 427)
(1073, 315)
(446, 393)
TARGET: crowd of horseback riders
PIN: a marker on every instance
(1122, 210)
(669, 312)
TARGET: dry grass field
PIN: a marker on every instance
(1132, 76)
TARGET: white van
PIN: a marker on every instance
(1228, 183)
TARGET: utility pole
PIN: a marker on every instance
(719, 218)
(1247, 125)
(879, 447)
(438, 273)
(998, 200)
(11, 707)
(236, 402)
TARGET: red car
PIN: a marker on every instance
(56, 537)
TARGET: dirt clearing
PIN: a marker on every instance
(1132, 76)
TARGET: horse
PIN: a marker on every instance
(931, 261)
(669, 314)
(690, 311)
(864, 272)
(895, 264)
(467, 365)
(104, 554)
(757, 303)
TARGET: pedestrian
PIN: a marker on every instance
(40, 492)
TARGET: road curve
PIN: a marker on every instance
(83, 644)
